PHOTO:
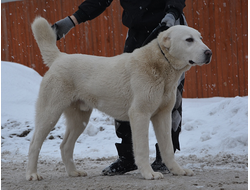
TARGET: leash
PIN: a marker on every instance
(160, 28)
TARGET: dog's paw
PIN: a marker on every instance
(183, 172)
(33, 177)
(188, 172)
(77, 173)
(153, 175)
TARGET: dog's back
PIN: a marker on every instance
(46, 39)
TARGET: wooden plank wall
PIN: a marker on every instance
(222, 23)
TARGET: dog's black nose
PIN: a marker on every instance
(208, 54)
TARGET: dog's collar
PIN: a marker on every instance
(163, 53)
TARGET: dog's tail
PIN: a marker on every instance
(46, 39)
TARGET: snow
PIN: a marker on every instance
(211, 126)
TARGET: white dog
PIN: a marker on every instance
(136, 87)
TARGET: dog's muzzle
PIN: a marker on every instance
(208, 56)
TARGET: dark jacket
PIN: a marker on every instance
(137, 14)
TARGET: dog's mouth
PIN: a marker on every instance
(191, 62)
(206, 62)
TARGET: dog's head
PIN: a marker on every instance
(185, 45)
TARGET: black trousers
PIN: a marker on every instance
(135, 40)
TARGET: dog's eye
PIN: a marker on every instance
(190, 39)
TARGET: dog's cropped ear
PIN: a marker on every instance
(164, 39)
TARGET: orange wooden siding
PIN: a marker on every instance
(222, 23)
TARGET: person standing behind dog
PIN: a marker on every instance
(141, 17)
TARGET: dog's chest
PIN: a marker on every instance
(168, 96)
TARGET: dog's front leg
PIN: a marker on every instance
(162, 125)
(139, 126)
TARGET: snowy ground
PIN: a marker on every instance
(214, 132)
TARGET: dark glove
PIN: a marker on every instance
(169, 19)
(63, 26)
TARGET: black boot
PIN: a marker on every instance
(157, 165)
(125, 162)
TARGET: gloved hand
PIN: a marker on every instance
(169, 19)
(63, 26)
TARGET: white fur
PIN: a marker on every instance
(136, 87)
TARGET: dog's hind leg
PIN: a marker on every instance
(162, 126)
(46, 118)
(77, 121)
